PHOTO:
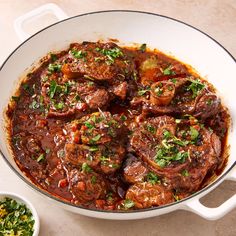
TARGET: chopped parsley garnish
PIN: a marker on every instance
(143, 91)
(177, 121)
(169, 151)
(88, 125)
(88, 77)
(95, 138)
(53, 57)
(47, 150)
(123, 118)
(143, 47)
(135, 77)
(180, 142)
(93, 179)
(193, 133)
(196, 86)
(176, 197)
(61, 153)
(54, 67)
(78, 53)
(93, 118)
(163, 158)
(86, 168)
(185, 173)
(93, 148)
(41, 157)
(152, 178)
(168, 71)
(90, 83)
(97, 59)
(111, 54)
(15, 98)
(104, 159)
(28, 89)
(59, 106)
(174, 80)
(15, 218)
(209, 102)
(109, 197)
(111, 132)
(128, 203)
(55, 88)
(150, 128)
(166, 134)
(161, 162)
(34, 105)
(44, 79)
(158, 91)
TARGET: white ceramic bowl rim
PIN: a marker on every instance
(110, 212)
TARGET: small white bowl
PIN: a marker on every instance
(21, 199)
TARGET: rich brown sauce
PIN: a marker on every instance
(38, 132)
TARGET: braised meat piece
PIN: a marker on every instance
(178, 96)
(30, 152)
(101, 128)
(145, 195)
(106, 159)
(177, 151)
(94, 140)
(68, 98)
(86, 185)
(134, 170)
(120, 90)
(77, 154)
(96, 97)
(100, 61)
(207, 105)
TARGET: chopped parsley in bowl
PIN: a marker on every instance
(17, 216)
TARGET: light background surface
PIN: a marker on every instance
(215, 17)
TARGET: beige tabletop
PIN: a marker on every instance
(215, 17)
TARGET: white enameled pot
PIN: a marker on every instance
(171, 36)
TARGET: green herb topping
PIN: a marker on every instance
(143, 47)
(185, 173)
(152, 178)
(86, 168)
(95, 138)
(15, 98)
(41, 157)
(196, 86)
(143, 91)
(150, 128)
(15, 218)
(78, 53)
(93, 179)
(111, 54)
(128, 203)
(194, 133)
(54, 67)
(168, 71)
(168, 150)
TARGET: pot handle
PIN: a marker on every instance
(214, 213)
(50, 7)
